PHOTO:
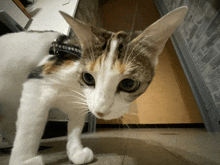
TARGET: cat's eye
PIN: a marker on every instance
(88, 79)
(129, 85)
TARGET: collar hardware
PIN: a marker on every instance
(58, 48)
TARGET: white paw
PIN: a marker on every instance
(38, 160)
(82, 156)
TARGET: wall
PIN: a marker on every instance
(201, 31)
(10, 7)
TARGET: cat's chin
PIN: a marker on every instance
(110, 117)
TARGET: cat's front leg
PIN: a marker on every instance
(32, 116)
(76, 153)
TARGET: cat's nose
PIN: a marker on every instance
(100, 114)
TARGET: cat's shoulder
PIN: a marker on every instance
(24, 50)
(29, 36)
(26, 44)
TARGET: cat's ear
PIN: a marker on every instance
(86, 34)
(154, 37)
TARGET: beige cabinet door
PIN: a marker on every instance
(168, 99)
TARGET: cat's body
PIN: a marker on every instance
(19, 56)
(115, 68)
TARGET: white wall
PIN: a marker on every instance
(10, 7)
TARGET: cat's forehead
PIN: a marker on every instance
(117, 55)
(109, 55)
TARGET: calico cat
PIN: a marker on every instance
(114, 69)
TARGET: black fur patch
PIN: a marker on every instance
(36, 73)
(63, 38)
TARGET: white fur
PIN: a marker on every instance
(60, 90)
(20, 53)
(102, 98)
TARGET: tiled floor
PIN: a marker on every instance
(139, 147)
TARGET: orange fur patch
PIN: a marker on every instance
(68, 63)
(119, 67)
(93, 65)
(50, 67)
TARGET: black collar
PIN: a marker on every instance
(58, 48)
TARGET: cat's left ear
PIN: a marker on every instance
(86, 34)
(153, 38)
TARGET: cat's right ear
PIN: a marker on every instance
(86, 34)
(153, 38)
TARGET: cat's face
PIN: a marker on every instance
(116, 68)
(111, 78)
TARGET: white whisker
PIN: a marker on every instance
(82, 112)
(74, 97)
(136, 46)
(91, 52)
(137, 55)
(77, 103)
(132, 28)
(61, 82)
(127, 126)
(93, 55)
(131, 114)
(78, 93)
(133, 50)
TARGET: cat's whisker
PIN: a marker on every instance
(78, 93)
(129, 114)
(66, 86)
(137, 55)
(58, 79)
(137, 125)
(67, 95)
(75, 97)
(82, 108)
(61, 82)
(138, 44)
(77, 103)
(132, 28)
(140, 53)
(83, 112)
(127, 126)
(133, 50)
(92, 55)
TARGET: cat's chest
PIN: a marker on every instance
(70, 97)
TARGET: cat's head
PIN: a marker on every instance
(116, 68)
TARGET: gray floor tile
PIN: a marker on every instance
(147, 152)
